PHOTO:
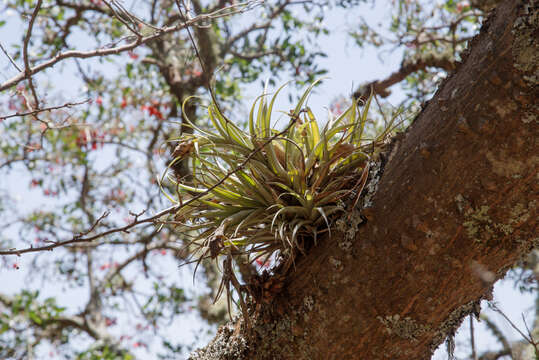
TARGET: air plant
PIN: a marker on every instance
(264, 192)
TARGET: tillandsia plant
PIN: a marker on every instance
(264, 192)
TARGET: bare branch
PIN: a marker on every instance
(380, 87)
(229, 10)
(472, 338)
(35, 112)
(256, 27)
(452, 24)
(429, 39)
(497, 333)
(253, 56)
(10, 58)
(79, 6)
(80, 238)
(499, 311)
(27, 69)
(495, 355)
(140, 254)
(246, 32)
(532, 341)
(59, 322)
(120, 14)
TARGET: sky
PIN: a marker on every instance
(348, 67)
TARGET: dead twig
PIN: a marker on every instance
(524, 336)
(10, 58)
(80, 238)
(27, 68)
(51, 108)
(202, 18)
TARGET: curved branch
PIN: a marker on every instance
(35, 112)
(81, 238)
(456, 190)
(26, 41)
(58, 322)
(230, 10)
(380, 87)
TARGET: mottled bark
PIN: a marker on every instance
(452, 210)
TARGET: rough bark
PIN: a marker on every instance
(454, 208)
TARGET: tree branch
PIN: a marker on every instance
(80, 238)
(445, 197)
(30, 71)
(59, 322)
(380, 87)
(10, 58)
(27, 69)
(35, 112)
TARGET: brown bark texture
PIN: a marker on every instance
(449, 209)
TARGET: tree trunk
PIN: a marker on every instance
(453, 208)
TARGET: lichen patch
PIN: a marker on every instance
(308, 303)
(226, 345)
(405, 328)
(453, 321)
(525, 44)
(477, 222)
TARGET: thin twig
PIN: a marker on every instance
(532, 341)
(498, 334)
(152, 219)
(472, 339)
(27, 68)
(121, 19)
(10, 58)
(230, 10)
(35, 112)
(495, 308)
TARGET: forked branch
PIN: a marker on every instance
(82, 238)
(132, 43)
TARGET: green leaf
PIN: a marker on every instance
(33, 316)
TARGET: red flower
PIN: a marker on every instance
(124, 103)
(152, 110)
(99, 101)
(132, 55)
(155, 112)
